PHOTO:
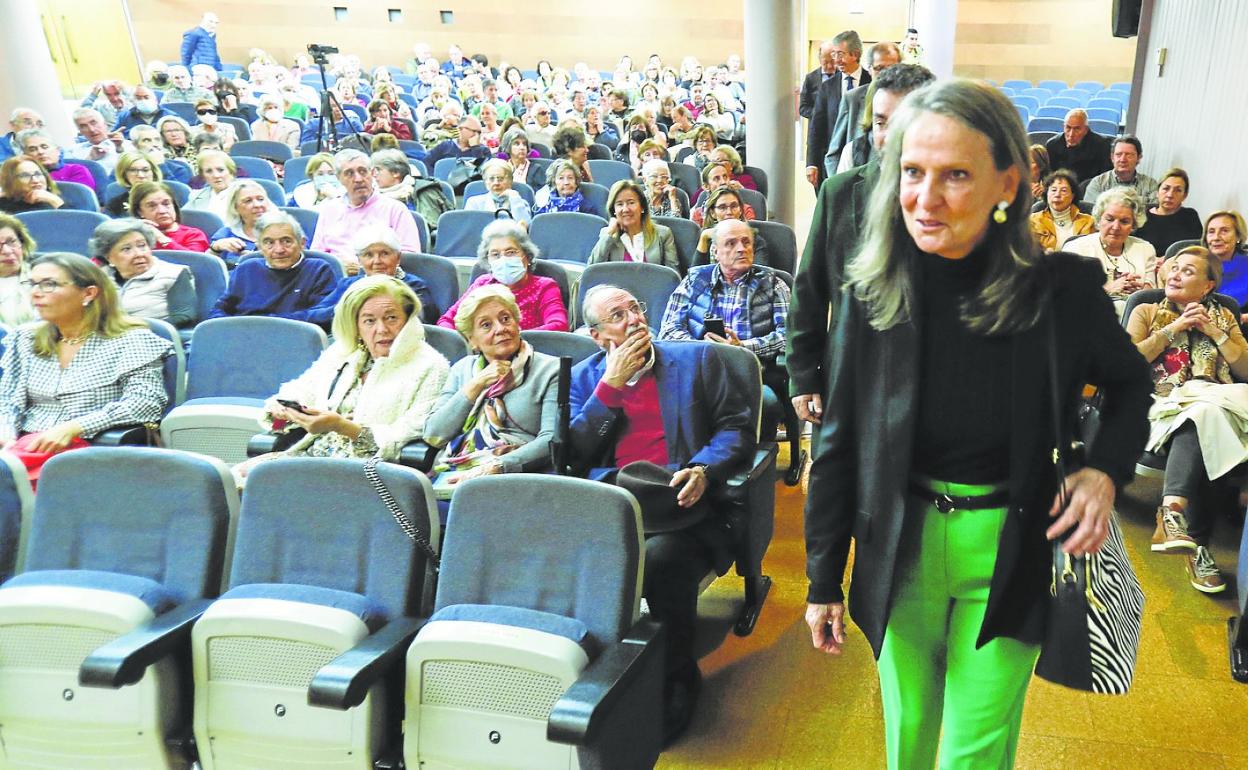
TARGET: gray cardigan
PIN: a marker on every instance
(532, 409)
(660, 250)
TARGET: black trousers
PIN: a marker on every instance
(676, 562)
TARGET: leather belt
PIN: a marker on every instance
(948, 503)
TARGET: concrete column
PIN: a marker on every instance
(771, 82)
(30, 76)
(937, 23)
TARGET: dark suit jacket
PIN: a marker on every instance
(1089, 158)
(840, 215)
(823, 116)
(859, 479)
(810, 87)
(706, 421)
(847, 127)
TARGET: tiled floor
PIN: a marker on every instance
(770, 701)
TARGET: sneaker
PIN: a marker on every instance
(1203, 573)
(1171, 533)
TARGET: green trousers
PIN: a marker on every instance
(931, 675)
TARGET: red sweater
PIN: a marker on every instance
(642, 437)
(186, 238)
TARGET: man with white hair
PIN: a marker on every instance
(362, 206)
(20, 119)
(182, 89)
(199, 44)
(94, 140)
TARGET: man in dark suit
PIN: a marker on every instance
(845, 51)
(672, 404)
(848, 125)
(1078, 148)
(840, 215)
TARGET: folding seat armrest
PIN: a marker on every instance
(124, 660)
(418, 455)
(344, 682)
(764, 458)
(580, 712)
(263, 443)
(129, 435)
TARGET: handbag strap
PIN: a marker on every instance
(387, 499)
(1059, 456)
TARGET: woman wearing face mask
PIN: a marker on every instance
(498, 410)
(499, 196)
(321, 185)
(209, 123)
(563, 191)
(509, 253)
(272, 126)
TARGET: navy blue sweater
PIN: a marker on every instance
(323, 314)
(257, 289)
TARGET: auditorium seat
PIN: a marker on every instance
(566, 236)
(649, 283)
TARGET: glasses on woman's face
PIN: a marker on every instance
(727, 208)
(11, 244)
(28, 176)
(508, 252)
(46, 286)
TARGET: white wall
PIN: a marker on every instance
(1195, 114)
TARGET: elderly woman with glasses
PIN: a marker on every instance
(175, 134)
(371, 391)
(663, 197)
(147, 286)
(508, 252)
(16, 248)
(85, 368)
(631, 235)
(498, 195)
(132, 169)
(499, 408)
(156, 204)
(247, 202)
(1129, 262)
(26, 186)
(217, 171)
(725, 203)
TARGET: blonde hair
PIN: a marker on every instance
(472, 302)
(102, 316)
(346, 314)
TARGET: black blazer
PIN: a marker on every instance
(810, 87)
(859, 478)
(838, 222)
(823, 116)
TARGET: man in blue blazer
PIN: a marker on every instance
(671, 403)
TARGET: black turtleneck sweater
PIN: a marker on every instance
(963, 423)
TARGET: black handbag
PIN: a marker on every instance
(1095, 601)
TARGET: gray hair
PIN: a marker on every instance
(177, 68)
(371, 234)
(393, 161)
(499, 164)
(107, 234)
(880, 272)
(85, 112)
(1124, 196)
(275, 217)
(31, 133)
(473, 300)
(654, 164)
(343, 157)
(1077, 112)
(590, 300)
(506, 228)
(231, 217)
(142, 129)
(850, 38)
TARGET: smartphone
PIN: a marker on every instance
(298, 407)
(714, 325)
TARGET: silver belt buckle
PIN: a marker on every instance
(944, 503)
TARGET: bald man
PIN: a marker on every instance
(199, 44)
(1078, 149)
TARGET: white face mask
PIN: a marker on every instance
(208, 120)
(508, 270)
(146, 106)
(273, 115)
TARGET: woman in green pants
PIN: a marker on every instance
(935, 455)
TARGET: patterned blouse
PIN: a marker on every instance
(110, 382)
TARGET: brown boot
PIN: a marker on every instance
(1171, 533)
(1202, 572)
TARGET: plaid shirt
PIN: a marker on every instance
(110, 382)
(756, 308)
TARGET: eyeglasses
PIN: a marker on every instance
(11, 244)
(621, 315)
(28, 176)
(513, 252)
(727, 207)
(206, 111)
(46, 286)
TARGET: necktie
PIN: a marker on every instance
(849, 82)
